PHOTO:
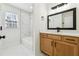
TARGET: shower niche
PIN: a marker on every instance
(65, 20)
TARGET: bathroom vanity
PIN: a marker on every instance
(59, 44)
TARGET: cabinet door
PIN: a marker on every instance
(47, 46)
(65, 49)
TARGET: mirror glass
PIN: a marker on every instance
(55, 21)
(67, 20)
(63, 20)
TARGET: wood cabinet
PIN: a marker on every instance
(58, 45)
(65, 49)
(46, 45)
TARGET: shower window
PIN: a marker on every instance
(10, 20)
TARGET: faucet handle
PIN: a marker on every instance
(58, 29)
(2, 37)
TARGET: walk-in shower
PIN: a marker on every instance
(16, 22)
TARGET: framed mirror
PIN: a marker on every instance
(65, 20)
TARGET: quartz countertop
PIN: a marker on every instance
(76, 34)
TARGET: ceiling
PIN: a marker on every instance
(29, 6)
(25, 6)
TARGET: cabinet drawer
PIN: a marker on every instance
(43, 35)
(55, 37)
(71, 39)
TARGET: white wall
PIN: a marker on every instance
(40, 25)
(38, 11)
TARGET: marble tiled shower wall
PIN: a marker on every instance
(23, 27)
(12, 34)
(25, 24)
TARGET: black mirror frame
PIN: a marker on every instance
(74, 20)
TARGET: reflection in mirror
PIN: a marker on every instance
(62, 20)
(67, 20)
(55, 21)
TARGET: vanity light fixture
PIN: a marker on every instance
(59, 5)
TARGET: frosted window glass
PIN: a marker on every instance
(10, 20)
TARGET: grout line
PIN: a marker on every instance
(20, 28)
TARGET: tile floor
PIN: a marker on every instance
(17, 51)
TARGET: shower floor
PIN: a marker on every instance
(17, 51)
